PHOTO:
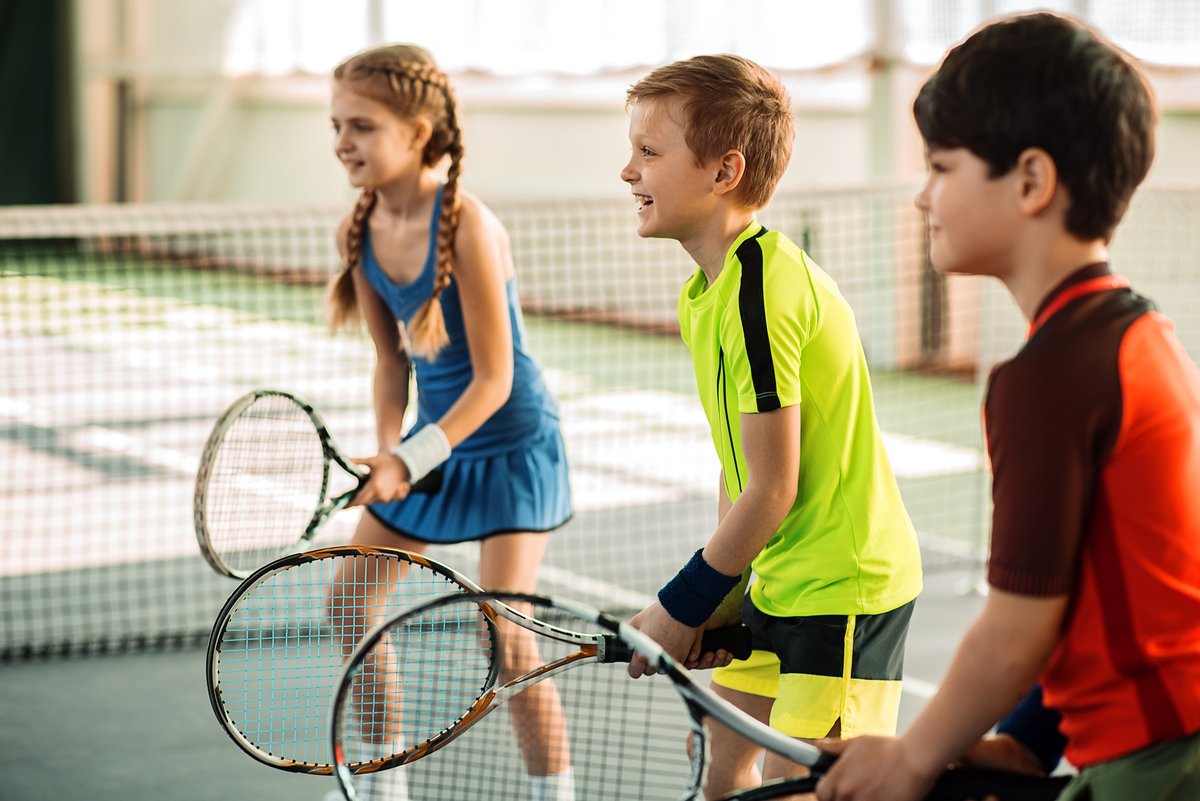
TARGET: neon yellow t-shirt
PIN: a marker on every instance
(773, 331)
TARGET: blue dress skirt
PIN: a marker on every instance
(525, 489)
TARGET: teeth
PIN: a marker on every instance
(643, 201)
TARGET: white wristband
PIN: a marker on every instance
(423, 451)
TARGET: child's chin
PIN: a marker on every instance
(647, 230)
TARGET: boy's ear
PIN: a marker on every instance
(1037, 177)
(730, 169)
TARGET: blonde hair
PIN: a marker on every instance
(729, 102)
(406, 79)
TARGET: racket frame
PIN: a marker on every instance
(953, 785)
(287, 562)
(324, 507)
(598, 647)
(702, 702)
(606, 645)
(208, 458)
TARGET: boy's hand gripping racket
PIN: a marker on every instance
(262, 489)
(424, 677)
(282, 642)
(443, 659)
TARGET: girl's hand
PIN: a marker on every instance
(387, 479)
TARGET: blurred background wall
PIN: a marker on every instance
(218, 100)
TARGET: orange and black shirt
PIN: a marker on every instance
(1093, 432)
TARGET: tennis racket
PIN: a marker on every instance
(280, 642)
(956, 784)
(463, 630)
(263, 486)
(421, 679)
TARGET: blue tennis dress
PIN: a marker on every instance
(509, 475)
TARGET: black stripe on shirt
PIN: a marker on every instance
(752, 308)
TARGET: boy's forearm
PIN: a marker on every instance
(744, 531)
(730, 610)
(1003, 651)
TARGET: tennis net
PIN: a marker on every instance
(126, 330)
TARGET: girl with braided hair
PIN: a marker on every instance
(429, 268)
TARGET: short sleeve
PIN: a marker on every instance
(765, 332)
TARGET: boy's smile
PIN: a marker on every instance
(673, 193)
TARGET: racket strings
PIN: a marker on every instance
(265, 479)
(419, 679)
(617, 738)
(286, 641)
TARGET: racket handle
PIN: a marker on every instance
(734, 639)
(429, 484)
(956, 784)
(823, 764)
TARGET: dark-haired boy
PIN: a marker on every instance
(1038, 132)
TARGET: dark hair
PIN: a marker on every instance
(1046, 81)
(730, 102)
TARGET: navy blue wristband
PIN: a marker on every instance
(1035, 726)
(696, 591)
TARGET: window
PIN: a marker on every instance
(523, 37)
(594, 37)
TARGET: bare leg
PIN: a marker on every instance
(357, 600)
(510, 562)
(734, 759)
(776, 767)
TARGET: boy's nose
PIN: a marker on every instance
(921, 201)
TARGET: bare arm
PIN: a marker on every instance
(482, 265)
(389, 385)
(771, 445)
(390, 379)
(392, 365)
(998, 660)
(730, 610)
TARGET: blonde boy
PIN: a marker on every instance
(807, 500)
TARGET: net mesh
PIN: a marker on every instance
(126, 331)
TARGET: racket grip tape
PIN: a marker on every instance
(734, 639)
(955, 784)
